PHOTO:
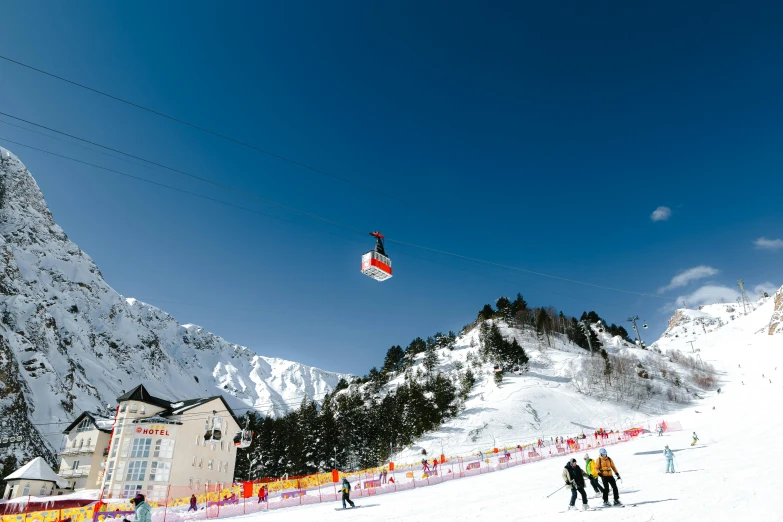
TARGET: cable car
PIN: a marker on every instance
(375, 264)
(644, 325)
(243, 438)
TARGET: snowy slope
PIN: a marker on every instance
(731, 474)
(69, 342)
(547, 401)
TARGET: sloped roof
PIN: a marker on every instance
(101, 422)
(178, 408)
(36, 469)
(140, 393)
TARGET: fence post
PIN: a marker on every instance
(166, 506)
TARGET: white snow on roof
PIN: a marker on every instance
(36, 469)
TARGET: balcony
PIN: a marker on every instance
(78, 451)
(81, 471)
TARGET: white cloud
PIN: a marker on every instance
(661, 214)
(768, 244)
(692, 274)
(705, 295)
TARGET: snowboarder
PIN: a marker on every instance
(669, 454)
(592, 475)
(193, 505)
(695, 439)
(142, 510)
(605, 466)
(346, 489)
(574, 477)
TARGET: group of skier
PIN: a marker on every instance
(604, 467)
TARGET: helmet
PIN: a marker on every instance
(587, 456)
(602, 452)
(138, 498)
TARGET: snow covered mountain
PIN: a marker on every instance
(565, 392)
(69, 342)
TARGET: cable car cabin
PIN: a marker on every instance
(376, 265)
(243, 439)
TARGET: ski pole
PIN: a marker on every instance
(558, 489)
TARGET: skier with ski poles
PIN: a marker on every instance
(669, 454)
(574, 477)
(605, 467)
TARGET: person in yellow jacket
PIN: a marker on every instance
(592, 476)
(604, 467)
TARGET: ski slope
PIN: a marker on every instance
(731, 474)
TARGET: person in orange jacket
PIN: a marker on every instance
(605, 467)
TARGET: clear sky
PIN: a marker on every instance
(635, 147)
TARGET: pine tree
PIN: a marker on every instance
(9, 466)
(430, 359)
(486, 313)
(393, 360)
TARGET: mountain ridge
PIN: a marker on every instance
(69, 342)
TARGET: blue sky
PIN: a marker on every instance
(536, 136)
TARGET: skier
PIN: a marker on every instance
(660, 430)
(695, 439)
(669, 454)
(605, 467)
(384, 475)
(592, 475)
(262, 494)
(193, 506)
(142, 511)
(425, 466)
(574, 477)
(346, 489)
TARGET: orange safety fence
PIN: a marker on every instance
(206, 501)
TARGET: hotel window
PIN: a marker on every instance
(141, 448)
(43, 490)
(201, 463)
(133, 407)
(160, 471)
(194, 461)
(142, 409)
(109, 471)
(220, 466)
(26, 490)
(125, 448)
(209, 464)
(136, 470)
(198, 440)
(131, 490)
(190, 482)
(122, 407)
(85, 425)
(164, 449)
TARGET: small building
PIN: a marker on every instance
(152, 443)
(86, 444)
(35, 478)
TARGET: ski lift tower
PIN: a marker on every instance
(638, 335)
(744, 296)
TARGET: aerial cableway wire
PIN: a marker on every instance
(240, 142)
(150, 300)
(339, 225)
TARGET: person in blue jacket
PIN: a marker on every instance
(669, 454)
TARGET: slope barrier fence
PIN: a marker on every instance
(174, 503)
